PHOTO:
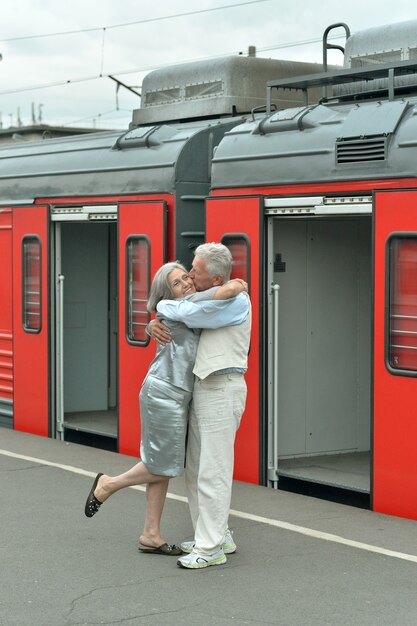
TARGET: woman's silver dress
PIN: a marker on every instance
(164, 401)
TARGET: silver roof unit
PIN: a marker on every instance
(381, 45)
(219, 87)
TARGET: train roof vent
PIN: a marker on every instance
(361, 150)
(219, 87)
(363, 136)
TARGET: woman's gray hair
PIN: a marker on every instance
(218, 259)
(160, 289)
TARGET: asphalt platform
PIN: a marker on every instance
(300, 561)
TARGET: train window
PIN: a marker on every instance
(163, 96)
(240, 248)
(31, 284)
(204, 90)
(402, 322)
(378, 58)
(137, 289)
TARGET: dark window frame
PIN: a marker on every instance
(389, 276)
(236, 236)
(25, 240)
(131, 238)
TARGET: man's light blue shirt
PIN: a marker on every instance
(207, 313)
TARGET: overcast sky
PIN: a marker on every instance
(69, 65)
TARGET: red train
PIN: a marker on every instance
(316, 196)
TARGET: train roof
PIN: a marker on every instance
(365, 129)
(321, 142)
(142, 160)
(185, 111)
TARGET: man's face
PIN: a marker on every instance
(202, 280)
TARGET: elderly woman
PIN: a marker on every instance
(164, 401)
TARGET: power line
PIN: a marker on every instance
(100, 115)
(294, 44)
(48, 85)
(145, 21)
(138, 70)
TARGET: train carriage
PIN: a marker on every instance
(83, 253)
(84, 224)
(317, 200)
(325, 199)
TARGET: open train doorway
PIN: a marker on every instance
(85, 321)
(320, 355)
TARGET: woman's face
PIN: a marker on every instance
(180, 283)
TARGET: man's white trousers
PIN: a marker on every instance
(215, 414)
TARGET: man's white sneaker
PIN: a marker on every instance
(194, 560)
(228, 545)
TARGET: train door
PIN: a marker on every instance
(102, 263)
(142, 250)
(84, 319)
(319, 343)
(237, 222)
(30, 319)
(395, 354)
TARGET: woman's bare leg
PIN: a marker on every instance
(156, 489)
(155, 500)
(137, 475)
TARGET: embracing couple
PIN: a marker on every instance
(195, 382)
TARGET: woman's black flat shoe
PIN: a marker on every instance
(165, 548)
(92, 505)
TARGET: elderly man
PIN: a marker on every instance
(218, 403)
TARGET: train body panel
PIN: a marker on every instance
(6, 317)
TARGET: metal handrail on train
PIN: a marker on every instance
(340, 77)
(273, 460)
(60, 415)
(261, 109)
(331, 46)
(404, 317)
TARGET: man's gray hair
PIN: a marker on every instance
(218, 259)
(160, 289)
